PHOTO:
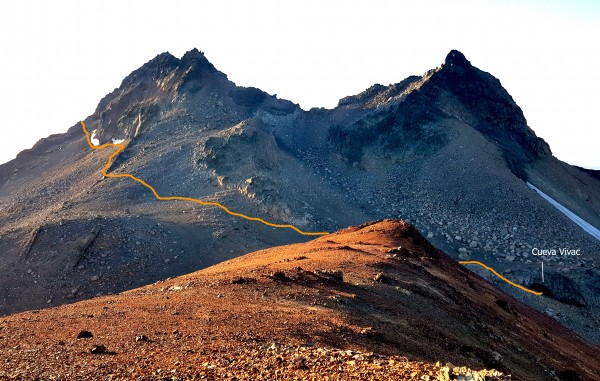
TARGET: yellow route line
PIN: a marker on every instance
(538, 293)
(121, 147)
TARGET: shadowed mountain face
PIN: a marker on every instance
(374, 291)
(448, 151)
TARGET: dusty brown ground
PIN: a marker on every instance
(346, 306)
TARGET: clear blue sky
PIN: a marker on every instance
(60, 57)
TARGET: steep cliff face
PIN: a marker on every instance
(448, 150)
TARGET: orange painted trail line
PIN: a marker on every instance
(121, 147)
(496, 273)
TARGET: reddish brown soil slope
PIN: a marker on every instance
(281, 313)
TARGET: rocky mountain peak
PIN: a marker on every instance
(161, 59)
(153, 69)
(164, 63)
(492, 110)
(193, 55)
(456, 58)
(196, 59)
(158, 83)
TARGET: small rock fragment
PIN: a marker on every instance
(300, 363)
(399, 251)
(84, 335)
(242, 280)
(279, 275)
(330, 273)
(382, 278)
(98, 349)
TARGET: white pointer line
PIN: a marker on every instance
(542, 272)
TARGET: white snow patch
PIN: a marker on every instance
(94, 140)
(117, 141)
(587, 227)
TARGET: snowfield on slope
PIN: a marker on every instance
(588, 228)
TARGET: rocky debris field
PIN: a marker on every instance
(268, 362)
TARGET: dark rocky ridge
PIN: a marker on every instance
(595, 173)
(447, 150)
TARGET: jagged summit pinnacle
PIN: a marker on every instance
(197, 58)
(456, 58)
(164, 63)
(154, 68)
(189, 57)
(161, 60)
(193, 54)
